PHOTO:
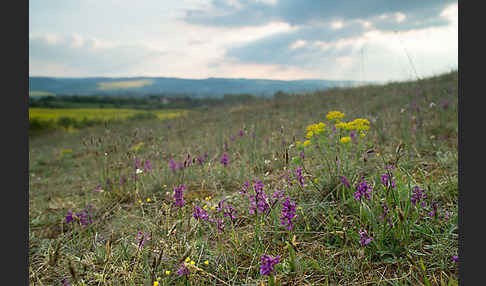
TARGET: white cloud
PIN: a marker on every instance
(75, 55)
(450, 12)
(297, 44)
(268, 2)
(336, 25)
(400, 17)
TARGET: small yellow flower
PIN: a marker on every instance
(206, 262)
(156, 283)
(167, 272)
(212, 208)
(316, 180)
(205, 207)
(345, 139)
(307, 143)
(148, 199)
(139, 201)
(298, 143)
(310, 127)
(378, 154)
(188, 259)
(192, 262)
(362, 134)
(340, 125)
(309, 134)
(334, 115)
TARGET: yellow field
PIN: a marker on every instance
(123, 84)
(45, 114)
(40, 93)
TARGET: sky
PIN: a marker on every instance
(366, 40)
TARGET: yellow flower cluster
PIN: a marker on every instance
(148, 201)
(345, 139)
(315, 129)
(359, 124)
(306, 143)
(334, 115)
(188, 260)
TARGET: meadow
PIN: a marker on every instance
(348, 186)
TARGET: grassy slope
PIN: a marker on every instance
(64, 169)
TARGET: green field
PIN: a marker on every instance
(139, 201)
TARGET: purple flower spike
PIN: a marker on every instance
(241, 133)
(288, 213)
(69, 217)
(258, 202)
(266, 268)
(178, 195)
(147, 166)
(363, 189)
(433, 212)
(258, 185)
(85, 216)
(299, 176)
(418, 195)
(455, 258)
(200, 213)
(345, 181)
(200, 160)
(385, 217)
(172, 165)
(188, 161)
(183, 271)
(386, 180)
(363, 240)
(225, 159)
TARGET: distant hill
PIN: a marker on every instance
(211, 87)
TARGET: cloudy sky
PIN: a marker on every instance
(378, 40)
